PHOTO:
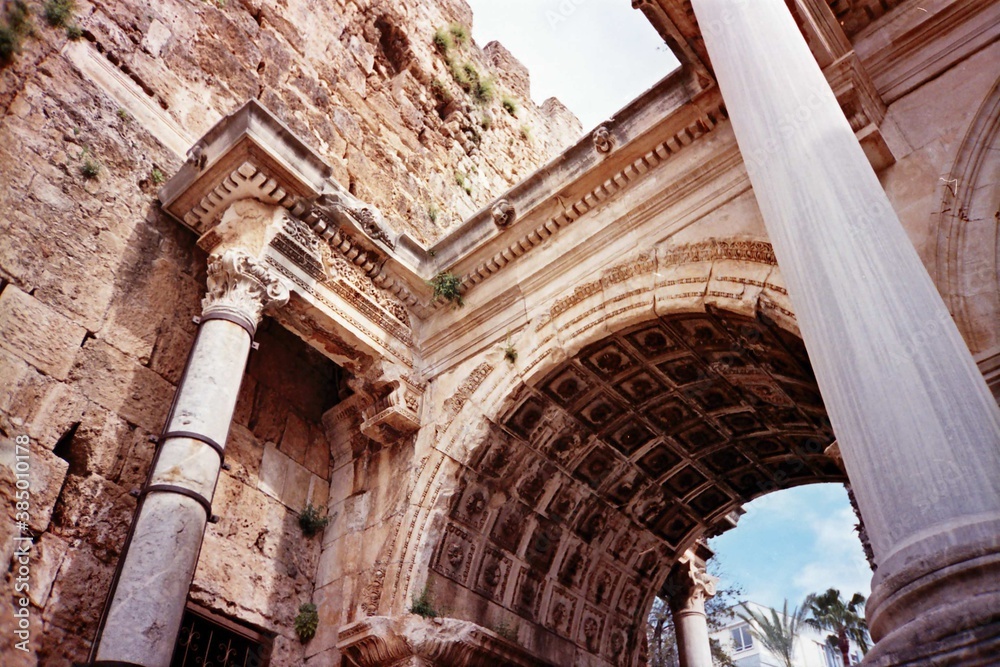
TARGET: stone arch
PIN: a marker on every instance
(566, 490)
(968, 244)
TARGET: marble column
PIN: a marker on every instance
(146, 604)
(688, 586)
(917, 426)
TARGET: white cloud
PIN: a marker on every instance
(838, 560)
(795, 542)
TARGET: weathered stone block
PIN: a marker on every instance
(24, 388)
(318, 453)
(47, 557)
(38, 333)
(244, 454)
(59, 409)
(45, 473)
(295, 439)
(73, 603)
(121, 385)
(96, 511)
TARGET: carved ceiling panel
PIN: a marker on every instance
(599, 477)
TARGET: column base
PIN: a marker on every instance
(937, 601)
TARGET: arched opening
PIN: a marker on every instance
(596, 479)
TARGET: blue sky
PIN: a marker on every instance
(794, 542)
(595, 56)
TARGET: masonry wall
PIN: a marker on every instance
(98, 288)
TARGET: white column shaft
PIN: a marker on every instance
(145, 614)
(917, 425)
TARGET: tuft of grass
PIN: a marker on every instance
(459, 33)
(16, 24)
(463, 182)
(433, 212)
(10, 45)
(58, 12)
(90, 169)
(526, 132)
(311, 521)
(509, 105)
(123, 114)
(423, 605)
(447, 286)
(441, 91)
(443, 41)
(74, 32)
(485, 122)
(484, 89)
(306, 622)
(156, 176)
(510, 352)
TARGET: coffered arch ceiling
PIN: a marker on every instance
(598, 477)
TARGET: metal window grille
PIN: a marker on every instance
(209, 639)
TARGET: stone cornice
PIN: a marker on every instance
(251, 154)
(918, 41)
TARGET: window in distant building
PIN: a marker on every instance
(742, 639)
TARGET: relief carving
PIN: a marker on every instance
(503, 213)
(603, 141)
(240, 286)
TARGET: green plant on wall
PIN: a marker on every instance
(447, 287)
(423, 605)
(15, 26)
(312, 521)
(459, 33)
(443, 41)
(463, 182)
(509, 105)
(58, 12)
(306, 622)
(509, 351)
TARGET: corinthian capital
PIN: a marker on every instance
(240, 288)
(689, 585)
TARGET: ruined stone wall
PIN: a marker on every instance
(98, 288)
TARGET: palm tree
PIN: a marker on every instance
(843, 620)
(778, 633)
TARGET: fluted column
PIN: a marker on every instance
(147, 602)
(918, 428)
(688, 587)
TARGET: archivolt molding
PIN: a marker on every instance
(734, 275)
(968, 273)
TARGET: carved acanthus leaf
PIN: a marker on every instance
(240, 286)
